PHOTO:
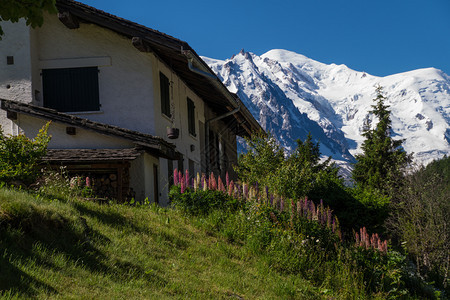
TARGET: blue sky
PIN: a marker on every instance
(380, 37)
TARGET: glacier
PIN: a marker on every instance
(291, 95)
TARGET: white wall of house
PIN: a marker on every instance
(125, 74)
(83, 139)
(15, 79)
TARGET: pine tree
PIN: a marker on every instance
(382, 164)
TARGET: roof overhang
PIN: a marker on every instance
(152, 144)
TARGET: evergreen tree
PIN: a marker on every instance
(383, 161)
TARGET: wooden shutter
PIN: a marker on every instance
(191, 116)
(71, 89)
(165, 94)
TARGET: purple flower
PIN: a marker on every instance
(175, 177)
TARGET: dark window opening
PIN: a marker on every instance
(191, 116)
(165, 94)
(71, 89)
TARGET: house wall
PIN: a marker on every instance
(83, 139)
(15, 79)
(125, 74)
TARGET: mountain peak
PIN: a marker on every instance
(291, 95)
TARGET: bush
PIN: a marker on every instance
(20, 156)
(201, 202)
(420, 219)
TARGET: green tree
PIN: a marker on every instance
(31, 10)
(264, 156)
(302, 174)
(382, 164)
(421, 220)
(20, 156)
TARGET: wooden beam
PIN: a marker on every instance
(69, 20)
(12, 115)
(140, 44)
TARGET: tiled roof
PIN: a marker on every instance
(91, 155)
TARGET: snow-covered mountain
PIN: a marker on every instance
(291, 95)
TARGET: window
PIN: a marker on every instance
(71, 89)
(191, 116)
(165, 94)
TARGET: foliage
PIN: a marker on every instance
(370, 208)
(382, 164)
(20, 156)
(31, 11)
(294, 240)
(262, 160)
(301, 174)
(421, 220)
(201, 202)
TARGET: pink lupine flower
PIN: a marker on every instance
(183, 187)
(88, 182)
(221, 186)
(187, 177)
(227, 179)
(175, 177)
(230, 188)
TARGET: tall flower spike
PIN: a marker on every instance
(213, 182)
(221, 186)
(88, 182)
(175, 177)
(187, 178)
(227, 179)
(183, 186)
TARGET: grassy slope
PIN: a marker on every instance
(79, 249)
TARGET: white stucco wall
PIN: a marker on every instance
(84, 139)
(15, 79)
(125, 77)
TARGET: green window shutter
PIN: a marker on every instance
(191, 116)
(165, 94)
(71, 89)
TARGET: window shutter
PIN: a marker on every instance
(191, 116)
(165, 94)
(71, 89)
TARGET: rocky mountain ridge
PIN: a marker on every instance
(291, 95)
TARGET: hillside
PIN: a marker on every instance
(291, 95)
(53, 247)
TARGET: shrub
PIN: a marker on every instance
(20, 156)
(201, 202)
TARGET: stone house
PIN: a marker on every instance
(128, 104)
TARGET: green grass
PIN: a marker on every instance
(59, 248)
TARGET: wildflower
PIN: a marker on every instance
(227, 179)
(221, 186)
(187, 178)
(182, 186)
(88, 182)
(175, 177)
